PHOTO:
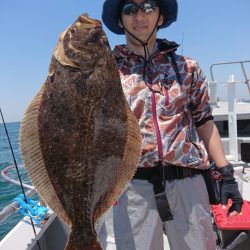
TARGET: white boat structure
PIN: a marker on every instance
(232, 117)
(233, 122)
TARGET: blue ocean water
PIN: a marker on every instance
(9, 191)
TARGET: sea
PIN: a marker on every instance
(9, 191)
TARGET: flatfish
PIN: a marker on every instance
(79, 140)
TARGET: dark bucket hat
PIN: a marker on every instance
(112, 8)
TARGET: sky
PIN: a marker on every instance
(208, 31)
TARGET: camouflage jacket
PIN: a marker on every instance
(181, 104)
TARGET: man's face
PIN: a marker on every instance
(140, 20)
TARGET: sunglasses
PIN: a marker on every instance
(131, 9)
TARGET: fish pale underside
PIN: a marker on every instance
(79, 140)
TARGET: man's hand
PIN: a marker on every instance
(229, 190)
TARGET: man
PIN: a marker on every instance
(168, 95)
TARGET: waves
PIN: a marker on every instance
(9, 191)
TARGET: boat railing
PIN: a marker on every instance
(5, 175)
(242, 63)
(14, 206)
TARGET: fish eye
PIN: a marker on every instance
(73, 30)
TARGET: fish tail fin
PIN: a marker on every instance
(72, 245)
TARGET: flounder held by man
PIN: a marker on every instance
(79, 140)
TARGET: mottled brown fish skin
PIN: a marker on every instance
(83, 131)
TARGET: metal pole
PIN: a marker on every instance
(232, 119)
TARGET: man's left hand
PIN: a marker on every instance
(229, 190)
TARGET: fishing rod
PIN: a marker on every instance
(18, 174)
(182, 43)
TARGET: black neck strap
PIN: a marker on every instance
(144, 44)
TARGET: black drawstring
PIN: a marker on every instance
(145, 47)
(147, 54)
(144, 44)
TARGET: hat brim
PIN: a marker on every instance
(111, 14)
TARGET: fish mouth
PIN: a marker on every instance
(86, 22)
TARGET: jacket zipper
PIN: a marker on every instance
(157, 129)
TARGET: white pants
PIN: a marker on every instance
(137, 225)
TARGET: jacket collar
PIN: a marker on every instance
(163, 47)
